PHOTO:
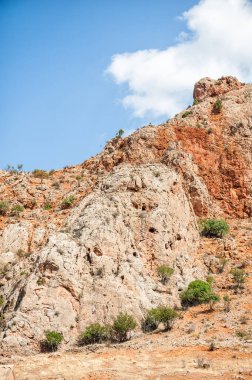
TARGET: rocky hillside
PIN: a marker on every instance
(81, 244)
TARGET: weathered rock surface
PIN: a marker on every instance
(135, 207)
(138, 218)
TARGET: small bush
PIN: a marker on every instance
(1, 300)
(199, 292)
(213, 228)
(186, 113)
(17, 209)
(122, 324)
(239, 277)
(47, 206)
(4, 206)
(195, 101)
(160, 314)
(150, 322)
(52, 341)
(67, 202)
(217, 106)
(164, 272)
(94, 333)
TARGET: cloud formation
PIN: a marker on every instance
(217, 43)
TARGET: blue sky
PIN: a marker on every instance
(57, 106)
(73, 72)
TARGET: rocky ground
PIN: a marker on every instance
(134, 206)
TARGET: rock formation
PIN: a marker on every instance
(135, 207)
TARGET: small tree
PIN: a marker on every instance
(164, 272)
(122, 324)
(239, 277)
(94, 333)
(42, 174)
(213, 228)
(52, 341)
(120, 133)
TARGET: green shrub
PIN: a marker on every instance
(122, 324)
(67, 202)
(186, 113)
(195, 101)
(213, 228)
(150, 322)
(4, 206)
(199, 292)
(164, 272)
(47, 206)
(239, 276)
(160, 314)
(1, 300)
(52, 341)
(94, 333)
(120, 133)
(217, 106)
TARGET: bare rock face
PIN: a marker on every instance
(138, 218)
(209, 87)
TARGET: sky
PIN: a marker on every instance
(74, 72)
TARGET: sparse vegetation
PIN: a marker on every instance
(217, 106)
(122, 325)
(223, 263)
(199, 292)
(67, 202)
(160, 314)
(186, 113)
(94, 333)
(1, 300)
(47, 206)
(243, 334)
(164, 272)
(227, 301)
(52, 341)
(239, 277)
(17, 209)
(120, 133)
(195, 101)
(13, 170)
(20, 253)
(213, 228)
(42, 174)
(4, 206)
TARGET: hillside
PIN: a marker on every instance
(85, 243)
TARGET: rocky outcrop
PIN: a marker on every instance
(138, 218)
(135, 207)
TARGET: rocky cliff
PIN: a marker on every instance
(135, 206)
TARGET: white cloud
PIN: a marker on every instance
(160, 82)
